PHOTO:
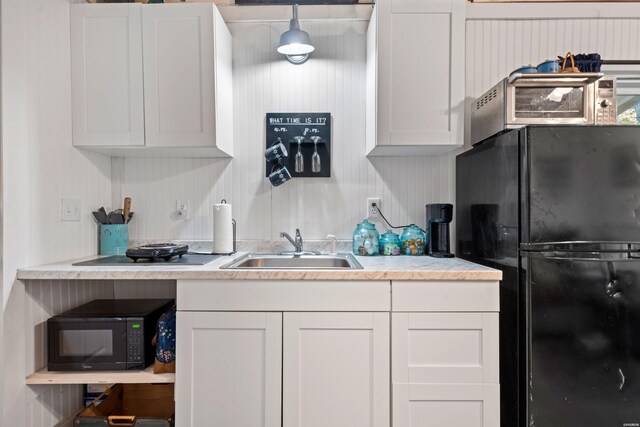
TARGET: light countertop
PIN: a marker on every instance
(374, 268)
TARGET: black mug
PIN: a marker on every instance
(277, 152)
(279, 175)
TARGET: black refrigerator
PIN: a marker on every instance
(557, 209)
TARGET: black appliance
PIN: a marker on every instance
(439, 216)
(154, 251)
(105, 334)
(557, 209)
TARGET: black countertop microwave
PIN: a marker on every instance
(105, 334)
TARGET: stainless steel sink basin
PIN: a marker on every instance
(294, 262)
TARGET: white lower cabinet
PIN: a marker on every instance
(229, 369)
(337, 353)
(445, 358)
(333, 369)
(336, 369)
(446, 405)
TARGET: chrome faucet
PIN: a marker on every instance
(297, 244)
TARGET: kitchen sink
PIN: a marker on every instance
(343, 261)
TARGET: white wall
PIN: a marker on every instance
(333, 80)
(39, 168)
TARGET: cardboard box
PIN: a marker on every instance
(139, 405)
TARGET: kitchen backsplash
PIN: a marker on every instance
(333, 80)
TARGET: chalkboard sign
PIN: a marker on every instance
(286, 127)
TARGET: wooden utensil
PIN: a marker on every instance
(127, 208)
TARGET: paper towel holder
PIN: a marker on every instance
(233, 225)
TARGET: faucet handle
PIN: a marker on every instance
(333, 242)
(299, 240)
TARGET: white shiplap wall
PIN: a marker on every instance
(495, 47)
(333, 80)
(40, 168)
(53, 405)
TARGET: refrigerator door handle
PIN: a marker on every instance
(593, 251)
(587, 256)
(622, 379)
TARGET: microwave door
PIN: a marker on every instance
(79, 345)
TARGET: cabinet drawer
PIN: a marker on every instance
(447, 296)
(446, 405)
(444, 348)
(283, 295)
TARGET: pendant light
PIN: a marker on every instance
(295, 43)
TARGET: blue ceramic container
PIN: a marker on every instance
(548, 66)
(114, 239)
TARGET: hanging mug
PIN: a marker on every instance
(277, 152)
(279, 175)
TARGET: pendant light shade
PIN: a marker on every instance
(295, 43)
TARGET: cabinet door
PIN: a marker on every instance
(445, 348)
(420, 72)
(106, 75)
(336, 369)
(445, 369)
(446, 405)
(229, 370)
(179, 75)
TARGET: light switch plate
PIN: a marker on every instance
(71, 209)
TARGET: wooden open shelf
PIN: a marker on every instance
(147, 376)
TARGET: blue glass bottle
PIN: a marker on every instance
(366, 239)
(413, 240)
(390, 243)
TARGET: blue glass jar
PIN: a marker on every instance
(390, 243)
(366, 239)
(413, 240)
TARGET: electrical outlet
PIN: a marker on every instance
(372, 212)
(182, 212)
(70, 210)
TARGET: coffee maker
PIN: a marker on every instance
(439, 216)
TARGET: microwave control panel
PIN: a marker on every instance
(605, 111)
(135, 343)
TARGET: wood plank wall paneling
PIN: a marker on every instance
(50, 405)
(40, 167)
(333, 80)
(143, 289)
(496, 47)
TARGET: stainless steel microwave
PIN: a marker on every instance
(105, 334)
(544, 98)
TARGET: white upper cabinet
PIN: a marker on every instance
(152, 80)
(415, 77)
(106, 70)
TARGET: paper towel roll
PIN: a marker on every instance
(222, 228)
